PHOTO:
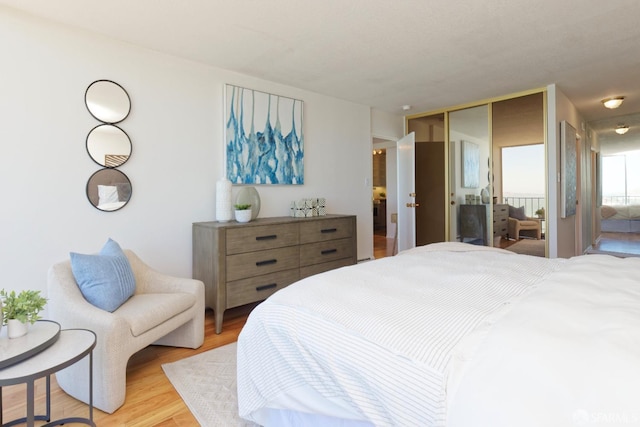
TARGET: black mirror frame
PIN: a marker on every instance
(96, 160)
(110, 170)
(86, 93)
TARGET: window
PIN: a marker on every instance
(621, 179)
(523, 177)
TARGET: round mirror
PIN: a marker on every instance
(107, 101)
(109, 189)
(108, 145)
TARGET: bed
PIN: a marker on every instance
(620, 218)
(448, 334)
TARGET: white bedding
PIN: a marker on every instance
(567, 355)
(373, 342)
(482, 337)
(624, 212)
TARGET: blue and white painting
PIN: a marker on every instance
(264, 138)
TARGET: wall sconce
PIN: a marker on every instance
(622, 129)
(377, 152)
(613, 102)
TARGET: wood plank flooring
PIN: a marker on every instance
(619, 244)
(151, 399)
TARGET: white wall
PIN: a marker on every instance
(559, 108)
(176, 128)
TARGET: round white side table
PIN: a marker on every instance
(70, 346)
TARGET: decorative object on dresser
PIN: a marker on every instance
(223, 200)
(305, 208)
(249, 196)
(244, 263)
(243, 213)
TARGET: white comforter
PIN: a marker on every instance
(433, 338)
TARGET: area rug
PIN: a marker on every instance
(207, 384)
(528, 247)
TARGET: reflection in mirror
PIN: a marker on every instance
(108, 145)
(617, 182)
(107, 101)
(469, 140)
(109, 189)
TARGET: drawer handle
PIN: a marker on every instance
(266, 262)
(328, 230)
(329, 251)
(269, 237)
(265, 287)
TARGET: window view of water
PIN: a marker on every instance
(523, 177)
(621, 179)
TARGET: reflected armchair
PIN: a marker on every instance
(516, 226)
(519, 222)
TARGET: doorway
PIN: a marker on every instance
(430, 178)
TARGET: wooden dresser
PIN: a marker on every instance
(500, 220)
(244, 263)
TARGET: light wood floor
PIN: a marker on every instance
(151, 399)
(620, 244)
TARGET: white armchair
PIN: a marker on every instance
(164, 310)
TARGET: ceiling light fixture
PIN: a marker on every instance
(622, 129)
(613, 102)
(406, 107)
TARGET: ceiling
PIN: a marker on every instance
(425, 53)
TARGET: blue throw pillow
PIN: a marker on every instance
(105, 280)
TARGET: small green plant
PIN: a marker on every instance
(24, 306)
(242, 207)
(540, 212)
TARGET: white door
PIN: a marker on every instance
(406, 148)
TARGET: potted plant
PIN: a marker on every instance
(243, 213)
(18, 309)
(540, 213)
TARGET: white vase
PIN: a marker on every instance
(16, 328)
(243, 215)
(223, 200)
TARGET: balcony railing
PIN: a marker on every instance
(531, 204)
(621, 200)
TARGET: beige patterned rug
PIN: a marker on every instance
(207, 384)
(528, 247)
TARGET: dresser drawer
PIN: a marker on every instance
(258, 288)
(250, 264)
(310, 270)
(256, 238)
(500, 225)
(316, 253)
(329, 229)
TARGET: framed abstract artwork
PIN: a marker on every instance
(264, 137)
(568, 170)
(470, 165)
